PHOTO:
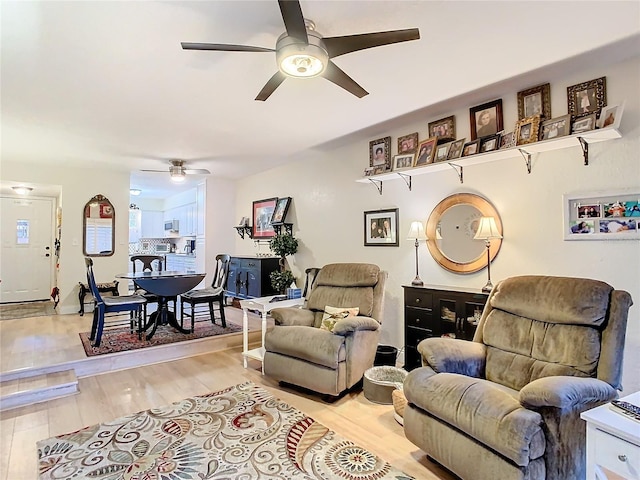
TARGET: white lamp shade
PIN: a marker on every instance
(416, 232)
(487, 229)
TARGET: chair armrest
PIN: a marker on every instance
(450, 355)
(290, 316)
(566, 392)
(351, 324)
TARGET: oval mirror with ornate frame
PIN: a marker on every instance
(451, 228)
(98, 227)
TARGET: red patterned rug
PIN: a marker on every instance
(120, 339)
(242, 432)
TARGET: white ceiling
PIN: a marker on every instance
(108, 83)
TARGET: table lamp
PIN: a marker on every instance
(416, 232)
(487, 229)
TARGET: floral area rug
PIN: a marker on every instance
(120, 339)
(242, 432)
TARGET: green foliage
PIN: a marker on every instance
(280, 281)
(283, 244)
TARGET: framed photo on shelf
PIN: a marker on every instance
(610, 215)
(611, 116)
(408, 143)
(403, 162)
(380, 153)
(426, 151)
(490, 143)
(584, 124)
(587, 97)
(471, 148)
(527, 130)
(535, 101)
(381, 228)
(507, 140)
(444, 129)
(455, 150)
(262, 213)
(555, 127)
(442, 151)
(486, 119)
(280, 212)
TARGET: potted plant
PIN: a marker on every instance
(282, 244)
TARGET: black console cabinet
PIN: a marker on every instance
(249, 277)
(433, 311)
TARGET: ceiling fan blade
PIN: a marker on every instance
(223, 47)
(337, 46)
(293, 19)
(197, 171)
(273, 83)
(334, 74)
(155, 171)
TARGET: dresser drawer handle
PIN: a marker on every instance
(417, 300)
(622, 458)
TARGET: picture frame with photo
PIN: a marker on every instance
(535, 101)
(426, 152)
(527, 130)
(455, 150)
(280, 211)
(368, 171)
(471, 148)
(403, 162)
(555, 127)
(444, 129)
(610, 116)
(490, 143)
(262, 213)
(380, 153)
(507, 140)
(442, 152)
(486, 119)
(408, 143)
(381, 228)
(584, 124)
(604, 215)
(587, 97)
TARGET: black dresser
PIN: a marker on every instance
(435, 311)
(249, 277)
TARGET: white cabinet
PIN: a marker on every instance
(152, 224)
(181, 263)
(201, 199)
(134, 225)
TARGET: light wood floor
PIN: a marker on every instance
(105, 397)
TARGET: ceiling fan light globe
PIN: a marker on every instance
(297, 59)
(178, 178)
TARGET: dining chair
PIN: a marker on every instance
(121, 303)
(209, 295)
(145, 263)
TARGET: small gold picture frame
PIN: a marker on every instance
(527, 130)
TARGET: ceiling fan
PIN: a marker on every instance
(302, 52)
(177, 171)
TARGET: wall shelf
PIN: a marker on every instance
(247, 230)
(526, 151)
(243, 230)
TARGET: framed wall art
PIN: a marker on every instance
(455, 150)
(584, 123)
(486, 119)
(535, 101)
(442, 152)
(527, 130)
(426, 151)
(471, 148)
(280, 211)
(611, 116)
(606, 215)
(380, 153)
(587, 97)
(444, 129)
(555, 127)
(408, 143)
(262, 213)
(403, 162)
(507, 140)
(490, 143)
(381, 228)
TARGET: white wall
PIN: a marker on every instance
(328, 205)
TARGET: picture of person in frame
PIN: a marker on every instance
(486, 122)
(424, 155)
(378, 154)
(586, 100)
(533, 104)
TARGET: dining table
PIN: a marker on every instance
(165, 284)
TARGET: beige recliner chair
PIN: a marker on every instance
(507, 405)
(299, 352)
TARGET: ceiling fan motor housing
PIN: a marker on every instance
(296, 58)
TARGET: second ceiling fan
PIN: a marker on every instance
(302, 52)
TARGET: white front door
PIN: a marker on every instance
(27, 249)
